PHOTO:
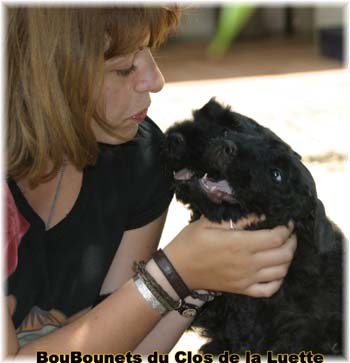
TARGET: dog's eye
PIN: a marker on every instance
(226, 132)
(277, 175)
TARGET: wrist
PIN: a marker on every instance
(158, 275)
(171, 274)
(155, 288)
(182, 264)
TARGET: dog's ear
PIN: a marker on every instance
(323, 231)
(210, 110)
(297, 155)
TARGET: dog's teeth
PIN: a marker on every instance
(205, 176)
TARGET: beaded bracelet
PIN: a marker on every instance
(205, 295)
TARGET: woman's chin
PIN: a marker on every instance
(121, 135)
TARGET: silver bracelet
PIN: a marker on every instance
(148, 296)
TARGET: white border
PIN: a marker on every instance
(345, 3)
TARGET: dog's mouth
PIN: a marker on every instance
(216, 190)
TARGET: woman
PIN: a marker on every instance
(84, 172)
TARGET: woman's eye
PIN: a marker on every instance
(125, 72)
(277, 175)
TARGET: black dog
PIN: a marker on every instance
(226, 166)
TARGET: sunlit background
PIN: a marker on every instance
(284, 66)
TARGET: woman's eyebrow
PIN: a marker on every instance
(115, 61)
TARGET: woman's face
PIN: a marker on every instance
(125, 93)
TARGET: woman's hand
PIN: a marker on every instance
(211, 256)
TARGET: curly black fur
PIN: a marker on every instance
(267, 177)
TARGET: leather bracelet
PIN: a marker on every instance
(171, 274)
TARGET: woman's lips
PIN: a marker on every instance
(140, 116)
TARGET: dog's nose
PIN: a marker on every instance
(229, 148)
(221, 153)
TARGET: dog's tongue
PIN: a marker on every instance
(216, 190)
(183, 174)
(216, 186)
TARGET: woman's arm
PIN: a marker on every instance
(116, 325)
(207, 256)
(121, 321)
(136, 245)
(141, 243)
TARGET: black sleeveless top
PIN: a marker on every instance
(60, 271)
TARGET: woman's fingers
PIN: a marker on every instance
(269, 238)
(277, 256)
(238, 261)
(263, 289)
(274, 273)
(264, 240)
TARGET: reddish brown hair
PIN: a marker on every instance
(54, 71)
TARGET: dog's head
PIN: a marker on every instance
(226, 166)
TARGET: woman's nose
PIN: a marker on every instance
(151, 78)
